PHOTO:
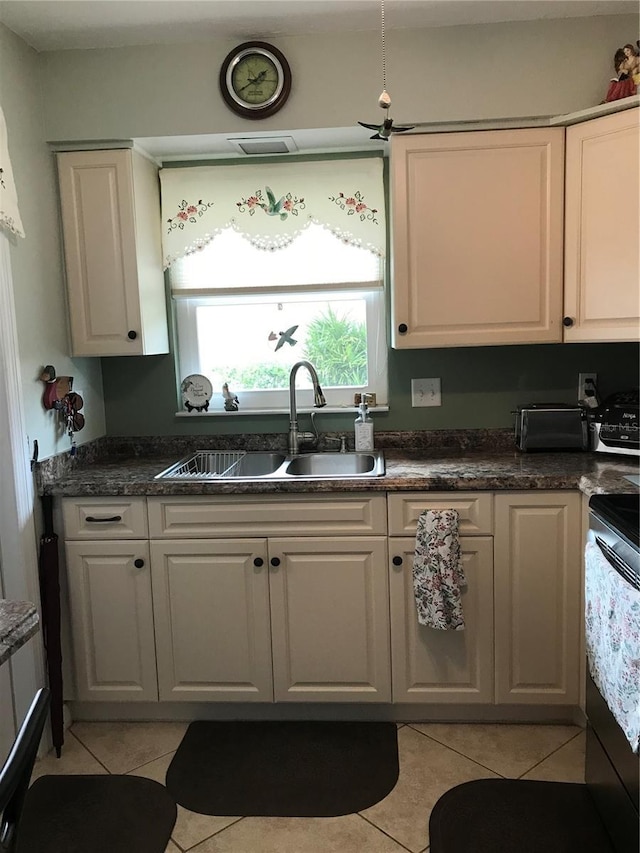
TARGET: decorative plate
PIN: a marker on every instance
(196, 392)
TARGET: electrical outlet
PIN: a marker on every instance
(425, 392)
(587, 383)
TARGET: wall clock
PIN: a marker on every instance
(255, 80)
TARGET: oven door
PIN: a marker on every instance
(612, 621)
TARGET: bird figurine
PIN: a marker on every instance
(384, 130)
(285, 337)
(231, 402)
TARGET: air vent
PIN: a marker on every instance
(264, 144)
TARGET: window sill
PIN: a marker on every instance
(333, 410)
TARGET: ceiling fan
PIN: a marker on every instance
(384, 129)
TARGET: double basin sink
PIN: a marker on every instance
(205, 465)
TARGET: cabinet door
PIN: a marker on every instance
(113, 267)
(211, 606)
(602, 267)
(477, 237)
(330, 619)
(538, 557)
(430, 665)
(112, 620)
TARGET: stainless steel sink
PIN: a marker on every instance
(206, 465)
(336, 465)
(217, 465)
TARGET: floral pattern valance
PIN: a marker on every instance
(271, 203)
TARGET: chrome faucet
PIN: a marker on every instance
(319, 401)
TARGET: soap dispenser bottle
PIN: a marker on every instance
(363, 427)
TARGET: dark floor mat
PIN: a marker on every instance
(96, 814)
(284, 769)
(509, 815)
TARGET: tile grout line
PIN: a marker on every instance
(382, 832)
(553, 752)
(461, 754)
(213, 834)
(84, 746)
(475, 761)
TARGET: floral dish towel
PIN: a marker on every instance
(438, 574)
(612, 620)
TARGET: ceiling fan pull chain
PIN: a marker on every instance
(384, 54)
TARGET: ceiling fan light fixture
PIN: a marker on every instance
(385, 129)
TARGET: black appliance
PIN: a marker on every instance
(551, 426)
(612, 770)
(616, 424)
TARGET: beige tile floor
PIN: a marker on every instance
(433, 758)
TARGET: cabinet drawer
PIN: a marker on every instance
(105, 518)
(474, 508)
(277, 515)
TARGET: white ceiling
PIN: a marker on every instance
(67, 24)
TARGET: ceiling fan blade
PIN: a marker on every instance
(369, 126)
(395, 129)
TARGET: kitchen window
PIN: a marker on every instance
(273, 263)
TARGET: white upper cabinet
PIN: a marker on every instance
(602, 269)
(477, 237)
(110, 205)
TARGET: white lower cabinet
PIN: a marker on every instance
(211, 607)
(112, 620)
(431, 665)
(538, 560)
(319, 607)
(253, 620)
(298, 614)
(330, 619)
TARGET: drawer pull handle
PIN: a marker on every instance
(94, 520)
(138, 563)
(397, 561)
(258, 562)
(275, 561)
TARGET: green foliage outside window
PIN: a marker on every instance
(336, 346)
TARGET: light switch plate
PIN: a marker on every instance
(425, 392)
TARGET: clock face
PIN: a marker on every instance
(255, 80)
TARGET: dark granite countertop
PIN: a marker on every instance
(130, 469)
(18, 622)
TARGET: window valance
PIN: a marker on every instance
(270, 204)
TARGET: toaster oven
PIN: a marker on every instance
(551, 426)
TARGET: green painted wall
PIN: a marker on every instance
(480, 387)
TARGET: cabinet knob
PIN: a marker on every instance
(397, 561)
(138, 563)
(567, 321)
(258, 562)
(275, 561)
(132, 335)
(403, 328)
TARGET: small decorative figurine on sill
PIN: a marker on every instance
(231, 402)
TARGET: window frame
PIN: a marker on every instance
(186, 306)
